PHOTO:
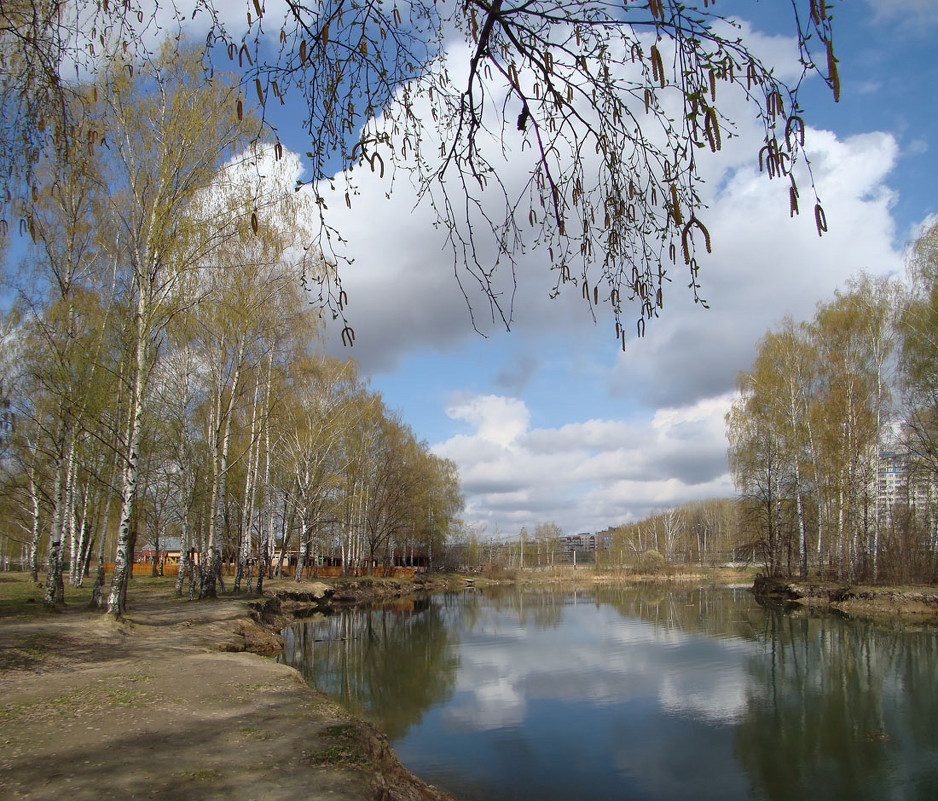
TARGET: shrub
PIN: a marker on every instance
(650, 562)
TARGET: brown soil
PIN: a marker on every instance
(902, 605)
(169, 704)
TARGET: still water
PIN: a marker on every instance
(638, 693)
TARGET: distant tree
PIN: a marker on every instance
(547, 539)
(756, 459)
(782, 388)
(437, 503)
(918, 381)
(848, 331)
(323, 390)
(919, 349)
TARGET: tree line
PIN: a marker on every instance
(161, 361)
(833, 436)
(705, 532)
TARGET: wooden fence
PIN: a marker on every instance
(228, 569)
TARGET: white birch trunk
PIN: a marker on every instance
(267, 526)
(33, 548)
(123, 567)
(222, 440)
(117, 599)
(80, 561)
(70, 514)
(247, 523)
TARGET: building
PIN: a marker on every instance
(581, 547)
(899, 486)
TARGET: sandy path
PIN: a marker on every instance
(169, 706)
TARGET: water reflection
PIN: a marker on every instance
(639, 693)
(841, 705)
(390, 662)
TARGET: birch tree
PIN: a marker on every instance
(756, 461)
(785, 370)
(323, 391)
(807, 432)
(437, 504)
(170, 135)
(252, 284)
(849, 405)
(178, 394)
(64, 295)
(919, 350)
(918, 380)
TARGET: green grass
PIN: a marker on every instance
(251, 733)
(20, 595)
(343, 748)
(203, 775)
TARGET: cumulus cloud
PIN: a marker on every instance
(497, 420)
(585, 474)
(404, 294)
(766, 265)
(555, 423)
(678, 381)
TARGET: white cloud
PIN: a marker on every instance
(912, 13)
(765, 266)
(584, 475)
(403, 294)
(665, 442)
(496, 419)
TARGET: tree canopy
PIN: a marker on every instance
(608, 106)
(832, 435)
(160, 357)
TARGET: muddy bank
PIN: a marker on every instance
(285, 601)
(900, 605)
(175, 703)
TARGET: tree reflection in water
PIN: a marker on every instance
(838, 709)
(389, 662)
(645, 692)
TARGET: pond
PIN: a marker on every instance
(635, 693)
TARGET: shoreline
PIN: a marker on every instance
(908, 605)
(182, 700)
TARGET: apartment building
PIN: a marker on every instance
(900, 485)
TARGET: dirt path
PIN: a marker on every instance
(168, 705)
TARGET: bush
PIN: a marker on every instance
(650, 562)
(499, 572)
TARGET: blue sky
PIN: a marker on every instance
(551, 422)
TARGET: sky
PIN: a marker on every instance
(551, 421)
